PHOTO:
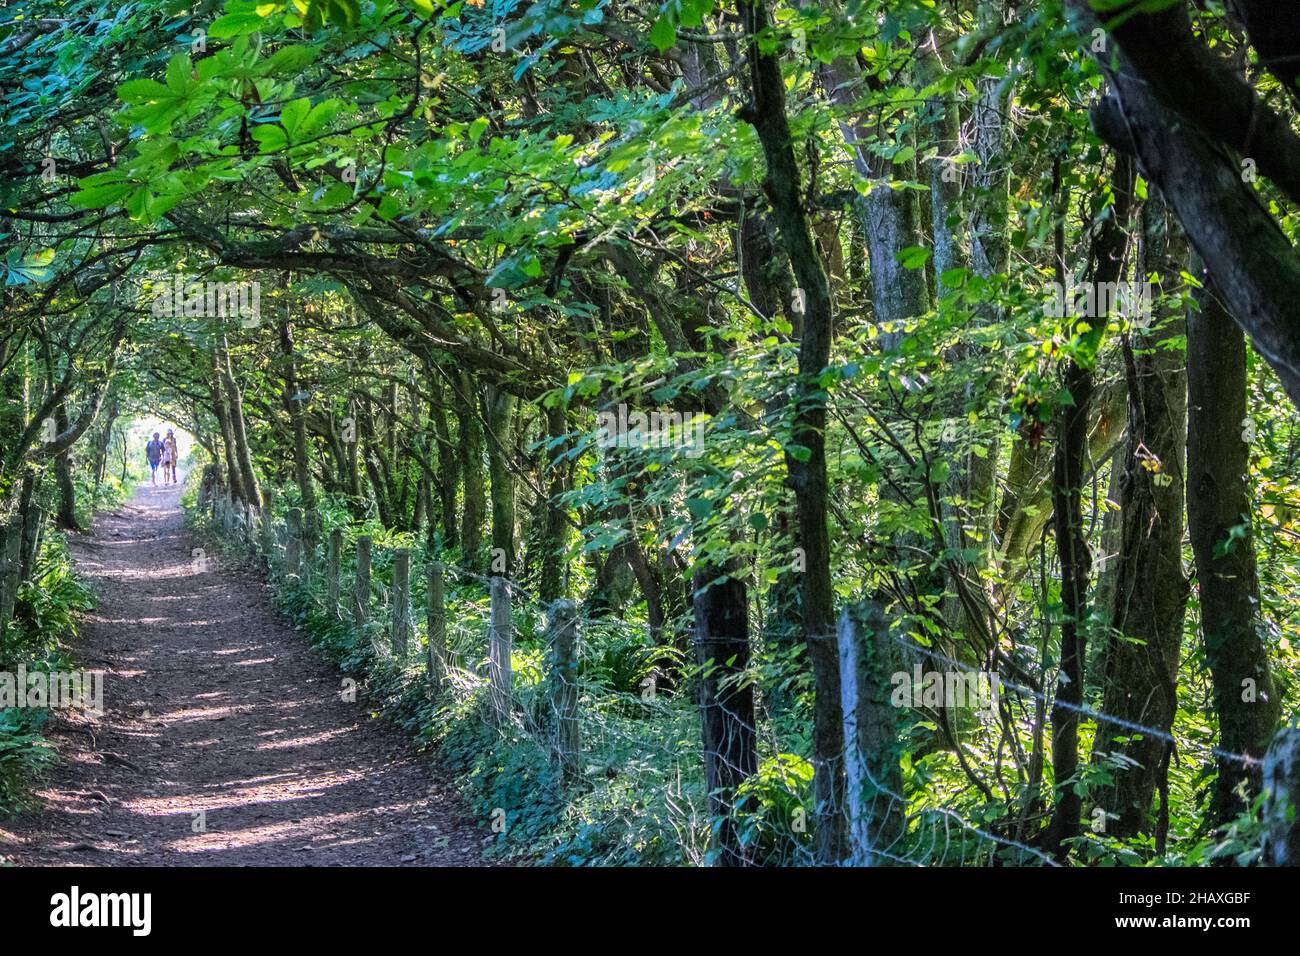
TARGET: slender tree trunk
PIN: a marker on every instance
(101, 446)
(471, 460)
(806, 457)
(353, 465)
(554, 530)
(726, 704)
(1218, 517)
(1150, 593)
(500, 446)
(29, 511)
(222, 411)
(990, 256)
(67, 514)
(1107, 260)
(243, 454)
(770, 286)
(448, 468)
(293, 405)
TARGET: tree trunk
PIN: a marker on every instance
(1252, 262)
(448, 477)
(806, 456)
(726, 703)
(500, 446)
(1107, 259)
(554, 530)
(471, 460)
(1150, 593)
(222, 412)
(67, 514)
(243, 455)
(1246, 700)
(293, 405)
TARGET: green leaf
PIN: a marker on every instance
(269, 137)
(21, 269)
(97, 197)
(913, 257)
(339, 12)
(180, 76)
(318, 118)
(290, 59)
(293, 114)
(138, 205)
(663, 34)
(234, 24)
(142, 91)
(700, 508)
(692, 12)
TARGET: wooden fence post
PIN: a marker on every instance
(876, 815)
(33, 531)
(293, 544)
(562, 635)
(401, 623)
(333, 557)
(726, 702)
(268, 530)
(282, 544)
(436, 625)
(5, 609)
(11, 542)
(361, 592)
(500, 640)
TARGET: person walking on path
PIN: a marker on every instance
(170, 455)
(154, 452)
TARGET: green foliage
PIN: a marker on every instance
(563, 201)
(44, 623)
(25, 756)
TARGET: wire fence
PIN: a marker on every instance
(644, 750)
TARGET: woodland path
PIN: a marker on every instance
(213, 702)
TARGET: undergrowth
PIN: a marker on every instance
(45, 621)
(638, 795)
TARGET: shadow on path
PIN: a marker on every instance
(225, 739)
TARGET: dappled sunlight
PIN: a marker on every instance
(304, 741)
(216, 706)
(772, 434)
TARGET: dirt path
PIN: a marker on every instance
(215, 704)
